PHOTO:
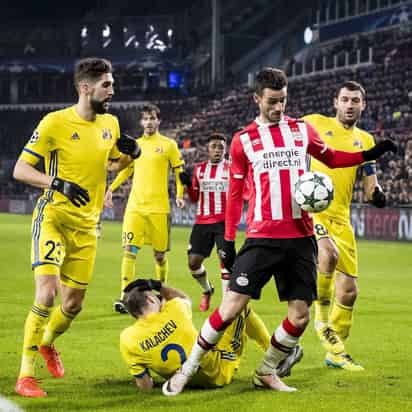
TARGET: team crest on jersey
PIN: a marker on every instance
(107, 134)
(296, 134)
(159, 149)
(34, 137)
(357, 143)
(329, 133)
(75, 136)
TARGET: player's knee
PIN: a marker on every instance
(159, 257)
(328, 258)
(46, 296)
(72, 306)
(195, 262)
(348, 295)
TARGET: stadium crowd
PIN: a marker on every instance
(387, 80)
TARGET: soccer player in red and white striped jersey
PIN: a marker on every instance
(270, 154)
(208, 189)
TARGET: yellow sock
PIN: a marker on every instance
(341, 318)
(59, 322)
(36, 322)
(325, 290)
(162, 270)
(256, 330)
(128, 269)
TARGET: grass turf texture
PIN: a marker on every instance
(97, 380)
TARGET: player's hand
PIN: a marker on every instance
(227, 254)
(76, 194)
(380, 149)
(108, 199)
(180, 203)
(186, 178)
(143, 285)
(378, 198)
(128, 145)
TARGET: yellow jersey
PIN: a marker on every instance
(149, 192)
(78, 151)
(161, 342)
(348, 140)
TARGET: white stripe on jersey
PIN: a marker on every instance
(274, 175)
(248, 149)
(304, 132)
(200, 201)
(206, 194)
(219, 195)
(289, 141)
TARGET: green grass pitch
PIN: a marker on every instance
(97, 380)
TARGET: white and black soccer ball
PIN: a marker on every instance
(314, 192)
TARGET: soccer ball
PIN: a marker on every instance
(314, 192)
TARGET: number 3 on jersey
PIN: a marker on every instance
(173, 347)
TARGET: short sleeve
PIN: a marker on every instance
(114, 152)
(238, 159)
(178, 307)
(133, 358)
(175, 157)
(41, 142)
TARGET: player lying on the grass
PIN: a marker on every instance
(270, 153)
(163, 335)
(208, 188)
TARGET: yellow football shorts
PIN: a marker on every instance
(58, 250)
(147, 229)
(343, 236)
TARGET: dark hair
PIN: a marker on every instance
(149, 108)
(135, 302)
(352, 86)
(270, 78)
(91, 68)
(216, 136)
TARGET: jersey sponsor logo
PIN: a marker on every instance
(159, 149)
(75, 136)
(213, 186)
(329, 133)
(166, 331)
(106, 134)
(34, 137)
(283, 158)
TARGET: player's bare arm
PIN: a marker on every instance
(24, 172)
(119, 164)
(145, 383)
(169, 293)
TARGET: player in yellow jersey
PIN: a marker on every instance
(163, 335)
(336, 240)
(77, 145)
(147, 215)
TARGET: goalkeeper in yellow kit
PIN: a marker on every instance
(147, 215)
(163, 335)
(337, 258)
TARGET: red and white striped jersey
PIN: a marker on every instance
(271, 157)
(209, 189)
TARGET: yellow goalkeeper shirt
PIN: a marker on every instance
(348, 140)
(76, 150)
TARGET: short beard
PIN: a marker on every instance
(98, 106)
